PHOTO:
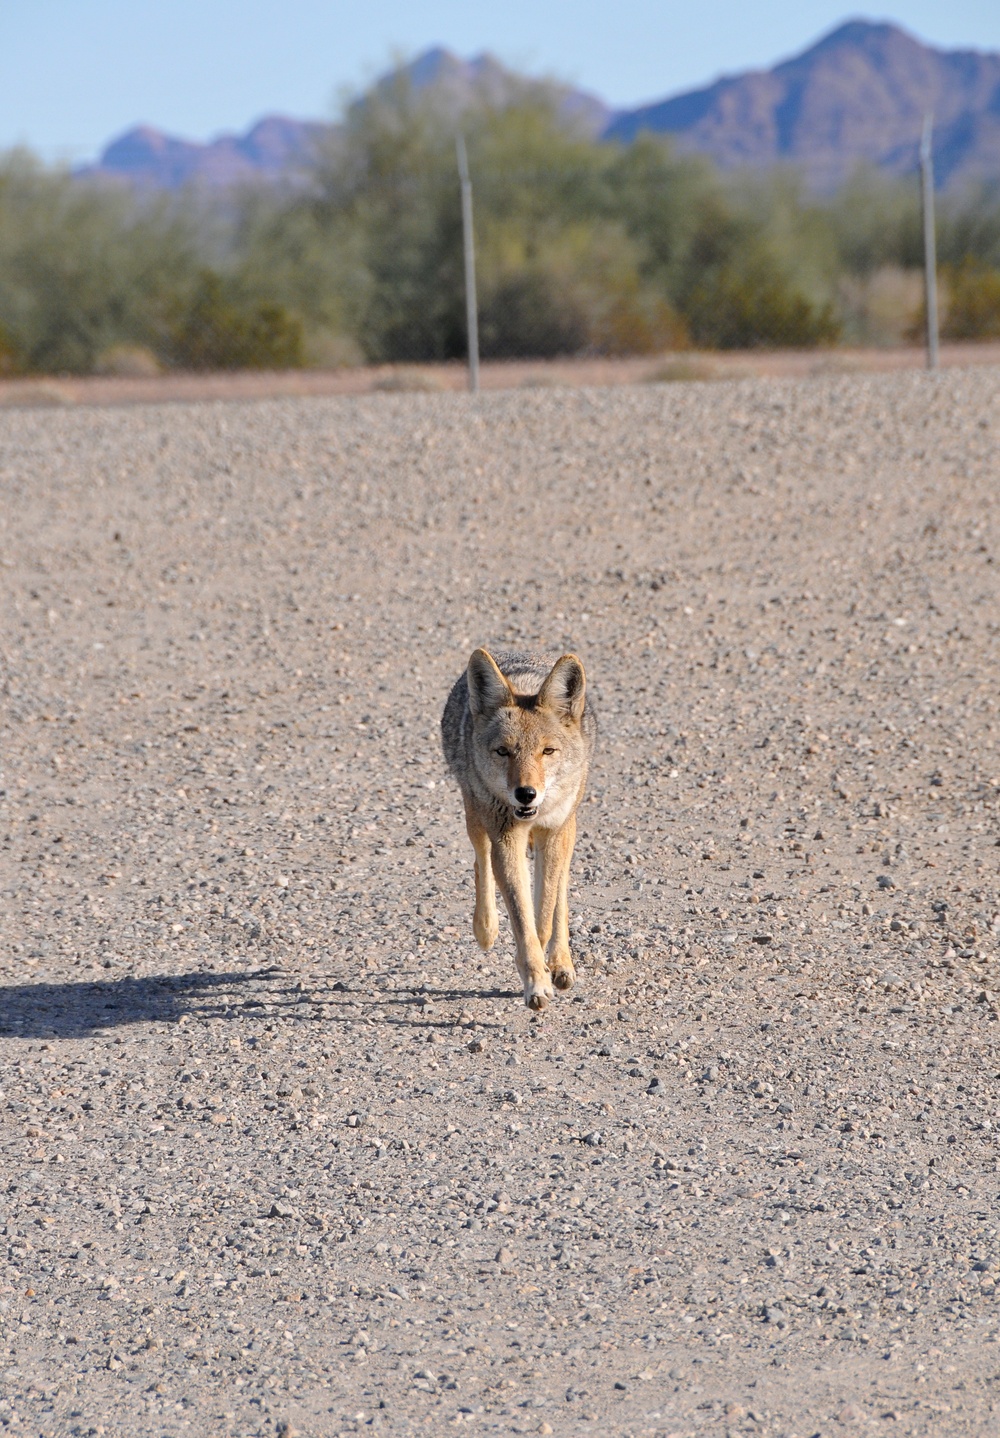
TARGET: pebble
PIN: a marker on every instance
(850, 1414)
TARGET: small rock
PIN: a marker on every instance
(476, 1046)
(885, 881)
(850, 1413)
(505, 1259)
(280, 1210)
(593, 1139)
(655, 1086)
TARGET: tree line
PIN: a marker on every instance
(582, 247)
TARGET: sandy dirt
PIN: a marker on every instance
(569, 372)
(280, 1149)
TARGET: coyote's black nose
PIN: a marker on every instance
(525, 795)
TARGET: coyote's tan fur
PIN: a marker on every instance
(518, 737)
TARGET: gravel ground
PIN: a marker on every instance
(280, 1149)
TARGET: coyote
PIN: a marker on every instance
(518, 737)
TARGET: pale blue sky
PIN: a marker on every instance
(75, 73)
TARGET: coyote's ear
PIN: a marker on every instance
(488, 689)
(565, 688)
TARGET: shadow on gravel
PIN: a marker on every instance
(403, 1008)
(68, 1011)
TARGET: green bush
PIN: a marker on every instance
(752, 306)
(11, 362)
(973, 301)
(528, 314)
(81, 268)
(215, 330)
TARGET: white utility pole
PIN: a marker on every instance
(930, 241)
(468, 245)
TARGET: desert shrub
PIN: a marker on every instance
(969, 227)
(573, 249)
(128, 361)
(88, 272)
(883, 307)
(665, 203)
(312, 268)
(875, 224)
(751, 305)
(81, 269)
(638, 324)
(527, 313)
(219, 329)
(568, 288)
(973, 301)
(11, 362)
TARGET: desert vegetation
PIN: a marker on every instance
(582, 247)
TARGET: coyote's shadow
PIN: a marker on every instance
(77, 1010)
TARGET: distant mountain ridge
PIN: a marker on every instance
(857, 96)
(271, 149)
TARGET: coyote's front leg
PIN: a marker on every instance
(554, 850)
(485, 924)
(511, 867)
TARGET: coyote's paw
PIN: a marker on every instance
(562, 971)
(485, 926)
(538, 993)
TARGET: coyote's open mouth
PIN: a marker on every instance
(527, 812)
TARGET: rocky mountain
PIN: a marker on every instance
(857, 96)
(272, 150)
(278, 148)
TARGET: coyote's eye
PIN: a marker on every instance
(503, 751)
(548, 751)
